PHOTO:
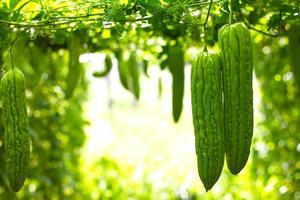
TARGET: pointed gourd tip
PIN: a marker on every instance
(16, 188)
(208, 187)
(176, 116)
(234, 172)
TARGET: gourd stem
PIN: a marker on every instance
(205, 48)
(205, 23)
(11, 47)
(230, 12)
(208, 13)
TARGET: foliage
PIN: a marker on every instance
(116, 182)
(55, 140)
(279, 129)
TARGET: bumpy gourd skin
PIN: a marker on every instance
(237, 62)
(206, 93)
(17, 147)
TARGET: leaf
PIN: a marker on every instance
(13, 3)
(235, 5)
(39, 15)
(116, 13)
(274, 21)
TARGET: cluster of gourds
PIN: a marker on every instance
(222, 104)
(129, 73)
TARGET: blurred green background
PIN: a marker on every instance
(104, 143)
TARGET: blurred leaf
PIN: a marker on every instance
(13, 3)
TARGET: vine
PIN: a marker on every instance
(11, 48)
(206, 21)
(57, 17)
(54, 17)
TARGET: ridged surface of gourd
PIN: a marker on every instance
(16, 127)
(206, 96)
(176, 66)
(237, 62)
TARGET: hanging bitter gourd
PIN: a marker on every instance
(175, 62)
(206, 96)
(16, 128)
(129, 73)
(107, 67)
(122, 69)
(75, 67)
(134, 75)
(145, 67)
(236, 53)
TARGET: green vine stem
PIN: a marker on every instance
(230, 12)
(205, 23)
(59, 22)
(260, 31)
(208, 13)
(11, 47)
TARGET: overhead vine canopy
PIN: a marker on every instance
(161, 17)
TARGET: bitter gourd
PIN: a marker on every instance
(75, 67)
(134, 80)
(145, 67)
(107, 67)
(16, 128)
(206, 96)
(129, 73)
(175, 62)
(122, 69)
(236, 53)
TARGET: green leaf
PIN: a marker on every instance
(13, 3)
